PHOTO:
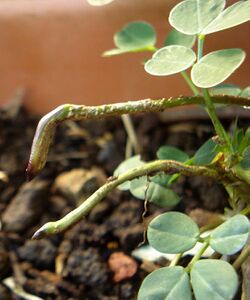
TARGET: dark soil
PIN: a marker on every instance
(76, 264)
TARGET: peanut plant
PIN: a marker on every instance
(225, 157)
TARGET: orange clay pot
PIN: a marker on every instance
(53, 48)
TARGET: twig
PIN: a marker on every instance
(46, 127)
(149, 168)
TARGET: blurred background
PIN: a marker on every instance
(52, 49)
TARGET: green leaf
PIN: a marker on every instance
(172, 232)
(170, 60)
(125, 166)
(99, 2)
(213, 279)
(138, 187)
(162, 196)
(234, 15)
(172, 153)
(216, 66)
(246, 92)
(161, 178)
(176, 37)
(225, 89)
(192, 16)
(206, 153)
(153, 191)
(245, 163)
(231, 236)
(134, 36)
(168, 283)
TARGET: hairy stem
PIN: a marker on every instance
(46, 127)
(149, 168)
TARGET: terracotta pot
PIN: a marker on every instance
(53, 49)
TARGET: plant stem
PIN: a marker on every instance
(149, 168)
(219, 129)
(47, 125)
(129, 127)
(128, 149)
(176, 259)
(245, 253)
(151, 49)
(245, 211)
(197, 256)
(190, 83)
(201, 39)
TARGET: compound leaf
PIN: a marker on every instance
(231, 236)
(213, 279)
(192, 16)
(234, 15)
(170, 60)
(172, 232)
(134, 36)
(166, 283)
(216, 66)
(176, 37)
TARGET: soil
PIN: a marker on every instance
(92, 260)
